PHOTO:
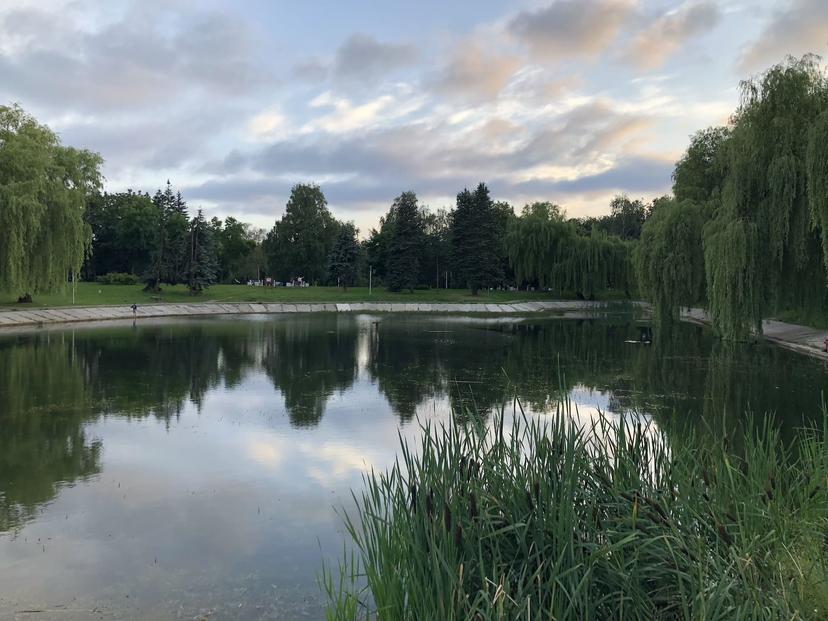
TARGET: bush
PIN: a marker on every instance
(556, 521)
(118, 278)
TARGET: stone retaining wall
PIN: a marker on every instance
(34, 317)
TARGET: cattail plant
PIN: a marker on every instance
(548, 518)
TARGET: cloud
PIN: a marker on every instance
(628, 174)
(346, 116)
(430, 155)
(568, 28)
(133, 62)
(155, 143)
(652, 46)
(798, 28)
(362, 57)
(172, 88)
(359, 58)
(583, 134)
(267, 124)
(475, 73)
(311, 70)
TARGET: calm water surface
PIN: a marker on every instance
(190, 469)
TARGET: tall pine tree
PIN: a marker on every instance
(169, 261)
(476, 247)
(405, 247)
(342, 263)
(202, 265)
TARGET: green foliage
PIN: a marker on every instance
(433, 253)
(700, 173)
(118, 278)
(554, 520)
(476, 240)
(406, 244)
(235, 245)
(817, 178)
(203, 260)
(44, 188)
(436, 250)
(124, 233)
(169, 256)
(173, 215)
(546, 248)
(342, 263)
(763, 250)
(669, 258)
(299, 243)
(626, 217)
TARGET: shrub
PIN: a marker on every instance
(118, 278)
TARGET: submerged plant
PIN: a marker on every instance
(556, 520)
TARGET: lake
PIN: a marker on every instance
(193, 468)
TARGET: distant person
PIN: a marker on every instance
(134, 308)
(825, 344)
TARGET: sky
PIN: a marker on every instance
(571, 101)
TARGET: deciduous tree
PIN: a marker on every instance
(44, 190)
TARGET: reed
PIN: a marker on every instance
(551, 519)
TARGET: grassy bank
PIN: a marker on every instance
(615, 522)
(92, 294)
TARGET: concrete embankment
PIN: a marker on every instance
(802, 339)
(44, 316)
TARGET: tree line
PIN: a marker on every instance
(60, 225)
(136, 237)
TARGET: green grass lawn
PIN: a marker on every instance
(814, 319)
(94, 294)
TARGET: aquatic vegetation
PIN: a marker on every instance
(550, 518)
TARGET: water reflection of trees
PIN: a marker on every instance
(43, 403)
(51, 384)
(309, 358)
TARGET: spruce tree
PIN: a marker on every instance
(177, 236)
(203, 258)
(475, 241)
(342, 263)
(404, 249)
(155, 271)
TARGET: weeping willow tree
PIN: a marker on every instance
(543, 246)
(766, 247)
(669, 257)
(44, 188)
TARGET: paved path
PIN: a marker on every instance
(792, 336)
(43, 316)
